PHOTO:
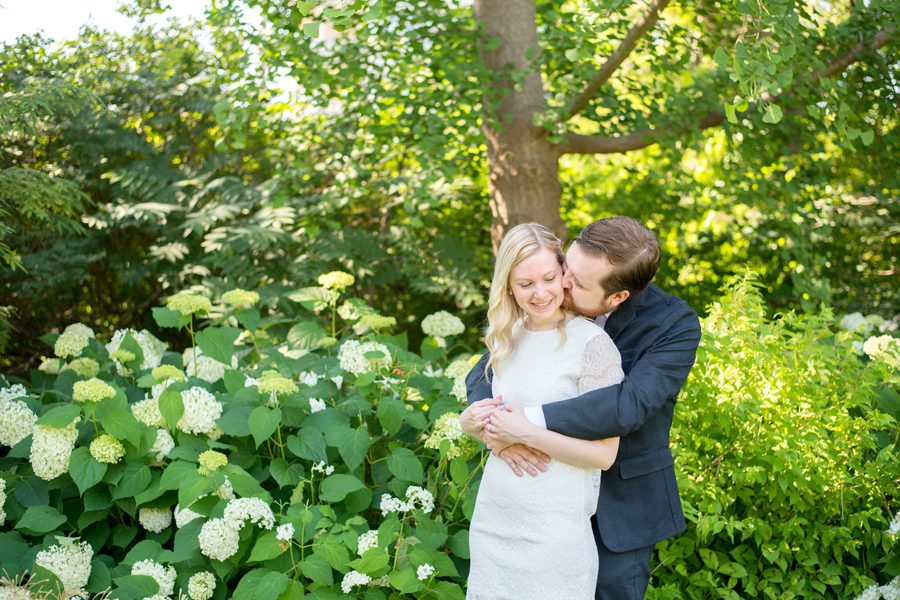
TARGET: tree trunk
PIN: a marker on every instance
(523, 169)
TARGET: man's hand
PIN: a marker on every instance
(522, 458)
(475, 417)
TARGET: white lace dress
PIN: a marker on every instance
(530, 537)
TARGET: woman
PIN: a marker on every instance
(531, 537)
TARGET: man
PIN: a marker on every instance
(608, 271)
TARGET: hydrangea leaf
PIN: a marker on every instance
(390, 414)
(244, 484)
(100, 577)
(84, 470)
(166, 317)
(263, 423)
(31, 491)
(261, 584)
(444, 590)
(187, 542)
(172, 407)
(404, 465)
(354, 447)
(309, 444)
(336, 487)
(405, 581)
(459, 543)
(304, 335)
(135, 480)
(432, 533)
(122, 425)
(332, 550)
(267, 547)
(38, 520)
(45, 584)
(235, 420)
(218, 342)
(60, 416)
(317, 568)
(248, 317)
(135, 586)
(374, 562)
(285, 474)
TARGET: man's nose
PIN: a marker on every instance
(566, 281)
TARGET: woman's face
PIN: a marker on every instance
(536, 284)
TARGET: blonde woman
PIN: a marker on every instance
(531, 537)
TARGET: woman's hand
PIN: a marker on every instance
(475, 417)
(508, 425)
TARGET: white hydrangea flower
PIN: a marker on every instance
(12, 392)
(308, 378)
(383, 581)
(322, 467)
(430, 371)
(51, 366)
(250, 382)
(17, 421)
(201, 585)
(51, 448)
(208, 369)
(70, 561)
(80, 330)
(316, 404)
(225, 491)
(459, 389)
(352, 356)
(389, 504)
(367, 541)
(155, 519)
(458, 368)
(284, 533)
(255, 510)
(854, 321)
(884, 348)
(2, 500)
(183, 516)
(338, 380)
(353, 579)
(70, 345)
(219, 540)
(424, 572)
(894, 528)
(201, 409)
(442, 324)
(151, 347)
(162, 445)
(164, 576)
(421, 496)
(147, 412)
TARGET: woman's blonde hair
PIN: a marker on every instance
(519, 243)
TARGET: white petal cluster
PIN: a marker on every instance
(284, 533)
(162, 445)
(424, 572)
(51, 366)
(147, 412)
(367, 541)
(352, 357)
(889, 591)
(201, 409)
(218, 539)
(207, 369)
(884, 348)
(415, 496)
(16, 419)
(353, 579)
(12, 392)
(73, 340)
(51, 448)
(894, 528)
(322, 467)
(70, 561)
(2, 500)
(255, 510)
(308, 378)
(225, 491)
(155, 520)
(442, 324)
(457, 371)
(316, 404)
(151, 347)
(183, 516)
(201, 585)
(164, 576)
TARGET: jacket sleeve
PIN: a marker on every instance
(477, 385)
(654, 379)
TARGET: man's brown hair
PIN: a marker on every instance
(630, 248)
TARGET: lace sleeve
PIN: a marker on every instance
(601, 364)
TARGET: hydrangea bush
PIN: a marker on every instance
(298, 448)
(303, 453)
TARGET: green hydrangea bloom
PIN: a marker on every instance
(123, 356)
(271, 382)
(93, 389)
(210, 461)
(447, 429)
(239, 298)
(86, 367)
(188, 304)
(70, 344)
(107, 449)
(336, 280)
(166, 372)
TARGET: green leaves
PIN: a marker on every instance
(336, 487)
(60, 416)
(218, 342)
(38, 520)
(85, 471)
(403, 463)
(263, 423)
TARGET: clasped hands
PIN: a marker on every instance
(504, 430)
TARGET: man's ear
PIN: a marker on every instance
(619, 297)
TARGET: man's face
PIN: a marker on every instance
(584, 294)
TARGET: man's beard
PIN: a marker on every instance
(568, 303)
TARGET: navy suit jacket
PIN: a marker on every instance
(657, 335)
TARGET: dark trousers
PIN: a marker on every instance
(622, 575)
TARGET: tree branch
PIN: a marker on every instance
(594, 144)
(618, 56)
